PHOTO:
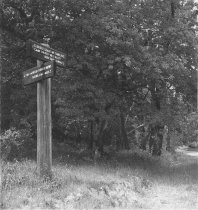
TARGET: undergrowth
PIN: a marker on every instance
(124, 182)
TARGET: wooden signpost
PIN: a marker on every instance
(42, 76)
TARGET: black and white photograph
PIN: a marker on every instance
(99, 104)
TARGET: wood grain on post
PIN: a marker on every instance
(44, 127)
(197, 91)
(197, 94)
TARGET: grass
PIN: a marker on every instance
(131, 180)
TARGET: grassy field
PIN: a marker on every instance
(131, 180)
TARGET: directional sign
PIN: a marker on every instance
(39, 73)
(44, 53)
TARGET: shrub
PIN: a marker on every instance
(16, 143)
(189, 128)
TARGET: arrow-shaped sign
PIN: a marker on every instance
(39, 73)
(41, 52)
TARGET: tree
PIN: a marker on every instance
(119, 54)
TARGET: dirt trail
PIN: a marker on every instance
(179, 189)
(189, 152)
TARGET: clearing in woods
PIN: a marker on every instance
(132, 180)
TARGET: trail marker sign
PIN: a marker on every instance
(44, 53)
(39, 73)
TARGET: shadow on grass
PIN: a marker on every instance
(175, 169)
(170, 170)
(78, 179)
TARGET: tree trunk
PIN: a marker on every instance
(5, 106)
(168, 145)
(165, 135)
(155, 93)
(143, 143)
(123, 134)
(157, 141)
(91, 134)
(100, 140)
(98, 130)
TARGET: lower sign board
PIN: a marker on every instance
(39, 73)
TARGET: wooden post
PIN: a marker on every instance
(197, 89)
(1, 43)
(197, 98)
(197, 71)
(44, 127)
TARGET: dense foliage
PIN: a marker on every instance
(128, 63)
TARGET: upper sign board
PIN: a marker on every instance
(39, 73)
(44, 53)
